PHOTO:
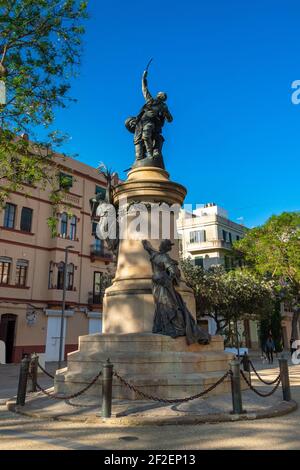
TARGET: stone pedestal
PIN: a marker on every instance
(156, 364)
(128, 303)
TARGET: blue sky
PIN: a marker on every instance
(227, 67)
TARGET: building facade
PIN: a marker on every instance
(32, 266)
(208, 235)
(207, 238)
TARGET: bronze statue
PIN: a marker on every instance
(172, 317)
(147, 127)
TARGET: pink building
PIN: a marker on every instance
(32, 266)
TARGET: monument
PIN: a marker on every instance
(150, 332)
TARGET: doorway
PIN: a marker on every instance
(7, 334)
(53, 338)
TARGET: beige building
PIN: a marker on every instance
(207, 238)
(208, 235)
(32, 267)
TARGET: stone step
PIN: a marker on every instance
(139, 342)
(151, 362)
(167, 386)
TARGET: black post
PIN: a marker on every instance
(285, 380)
(23, 377)
(34, 371)
(236, 387)
(246, 365)
(107, 379)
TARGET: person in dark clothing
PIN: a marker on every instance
(269, 348)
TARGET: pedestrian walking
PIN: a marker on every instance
(270, 348)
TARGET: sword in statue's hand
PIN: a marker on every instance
(147, 68)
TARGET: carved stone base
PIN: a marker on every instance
(156, 364)
(128, 304)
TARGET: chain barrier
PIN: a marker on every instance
(272, 382)
(175, 400)
(45, 372)
(256, 391)
(74, 395)
(80, 405)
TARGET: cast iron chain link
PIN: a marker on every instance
(256, 391)
(74, 395)
(272, 382)
(175, 400)
(45, 372)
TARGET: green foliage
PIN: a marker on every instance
(228, 297)
(40, 48)
(273, 250)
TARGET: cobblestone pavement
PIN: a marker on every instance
(19, 432)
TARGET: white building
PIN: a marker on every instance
(208, 235)
(207, 238)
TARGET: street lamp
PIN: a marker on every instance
(60, 358)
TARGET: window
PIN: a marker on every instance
(230, 237)
(199, 262)
(60, 275)
(98, 246)
(70, 276)
(237, 238)
(21, 272)
(97, 288)
(100, 190)
(5, 264)
(198, 236)
(50, 277)
(26, 219)
(65, 181)
(73, 227)
(224, 234)
(94, 229)
(9, 215)
(64, 224)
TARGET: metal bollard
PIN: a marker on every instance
(236, 387)
(34, 371)
(23, 377)
(285, 380)
(107, 379)
(246, 363)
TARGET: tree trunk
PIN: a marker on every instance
(295, 330)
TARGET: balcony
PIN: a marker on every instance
(99, 253)
(95, 300)
(209, 245)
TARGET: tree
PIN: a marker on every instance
(248, 295)
(228, 297)
(272, 324)
(209, 291)
(40, 49)
(273, 250)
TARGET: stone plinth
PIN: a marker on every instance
(156, 364)
(128, 304)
